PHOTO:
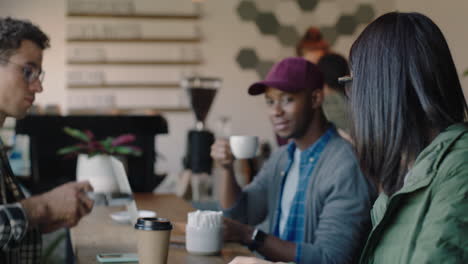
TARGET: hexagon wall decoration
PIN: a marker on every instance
(365, 13)
(330, 34)
(247, 10)
(263, 68)
(280, 18)
(346, 25)
(267, 23)
(287, 12)
(247, 58)
(288, 36)
(307, 5)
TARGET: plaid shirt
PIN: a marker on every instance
(18, 244)
(294, 229)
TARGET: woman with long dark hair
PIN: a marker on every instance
(408, 109)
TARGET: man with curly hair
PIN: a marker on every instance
(23, 219)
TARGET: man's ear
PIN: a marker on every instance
(317, 97)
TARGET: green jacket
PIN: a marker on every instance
(427, 220)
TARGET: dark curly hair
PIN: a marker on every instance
(13, 31)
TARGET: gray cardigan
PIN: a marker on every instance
(338, 203)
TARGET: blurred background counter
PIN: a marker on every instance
(46, 136)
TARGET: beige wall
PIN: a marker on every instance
(224, 34)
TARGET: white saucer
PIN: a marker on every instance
(122, 217)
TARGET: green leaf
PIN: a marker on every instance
(91, 146)
(68, 150)
(124, 150)
(465, 73)
(107, 143)
(48, 252)
(76, 134)
(92, 154)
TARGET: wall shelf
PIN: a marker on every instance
(136, 40)
(125, 85)
(135, 16)
(102, 28)
(136, 62)
(128, 111)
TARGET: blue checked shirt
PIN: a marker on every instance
(294, 229)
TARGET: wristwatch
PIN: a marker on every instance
(257, 239)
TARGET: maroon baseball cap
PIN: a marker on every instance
(290, 75)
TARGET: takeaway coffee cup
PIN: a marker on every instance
(243, 147)
(153, 240)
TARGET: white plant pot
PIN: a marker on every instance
(98, 171)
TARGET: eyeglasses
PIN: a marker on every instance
(346, 81)
(30, 73)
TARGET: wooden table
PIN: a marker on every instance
(98, 233)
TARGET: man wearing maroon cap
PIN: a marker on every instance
(311, 192)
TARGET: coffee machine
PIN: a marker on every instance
(201, 92)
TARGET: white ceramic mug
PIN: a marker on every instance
(204, 240)
(243, 147)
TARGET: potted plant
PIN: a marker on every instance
(95, 157)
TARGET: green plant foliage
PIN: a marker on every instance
(90, 145)
(49, 251)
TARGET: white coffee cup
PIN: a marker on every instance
(243, 147)
(203, 240)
